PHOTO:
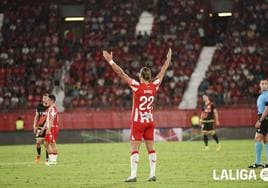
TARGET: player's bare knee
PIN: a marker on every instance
(46, 144)
(134, 149)
(149, 145)
(150, 148)
(38, 144)
(135, 145)
(259, 138)
(265, 140)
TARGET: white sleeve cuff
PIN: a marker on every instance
(111, 62)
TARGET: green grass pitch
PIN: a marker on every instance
(180, 164)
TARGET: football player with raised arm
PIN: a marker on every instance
(142, 120)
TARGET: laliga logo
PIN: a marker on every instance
(242, 174)
(237, 174)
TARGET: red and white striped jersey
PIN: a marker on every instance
(52, 113)
(143, 98)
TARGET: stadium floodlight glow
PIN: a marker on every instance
(74, 19)
(223, 14)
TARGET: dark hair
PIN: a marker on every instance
(52, 97)
(146, 73)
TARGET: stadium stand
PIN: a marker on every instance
(240, 60)
(33, 50)
(96, 86)
(29, 52)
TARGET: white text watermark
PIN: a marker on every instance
(239, 174)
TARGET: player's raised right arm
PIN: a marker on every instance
(118, 70)
(164, 68)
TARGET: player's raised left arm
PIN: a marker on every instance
(164, 68)
(216, 115)
(118, 70)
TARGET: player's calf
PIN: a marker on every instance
(38, 149)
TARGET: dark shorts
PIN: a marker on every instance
(263, 128)
(38, 135)
(208, 126)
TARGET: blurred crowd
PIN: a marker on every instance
(241, 57)
(91, 82)
(29, 53)
(34, 51)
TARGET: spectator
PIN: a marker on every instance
(20, 124)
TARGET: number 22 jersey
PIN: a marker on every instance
(143, 98)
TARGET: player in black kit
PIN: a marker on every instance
(38, 126)
(209, 116)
